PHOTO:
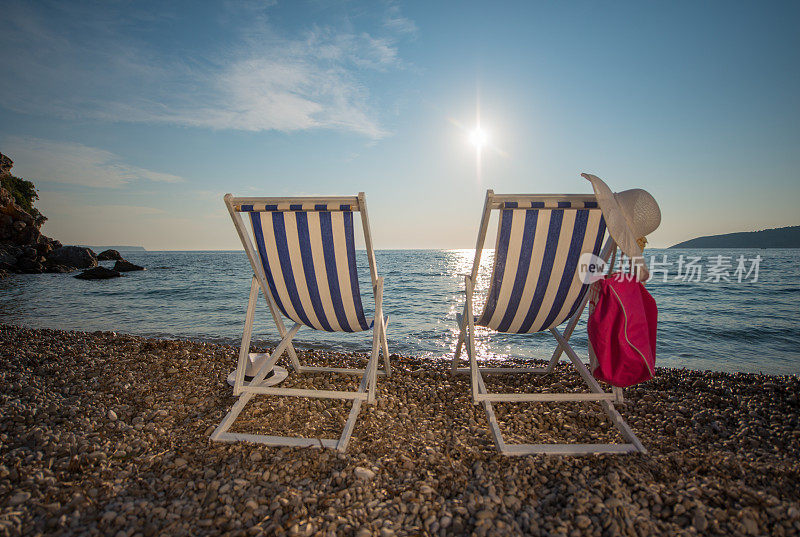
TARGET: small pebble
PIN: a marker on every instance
(95, 434)
(363, 473)
(19, 498)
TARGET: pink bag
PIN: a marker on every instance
(622, 330)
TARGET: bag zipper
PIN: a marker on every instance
(625, 331)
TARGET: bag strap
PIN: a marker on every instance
(613, 259)
(632, 266)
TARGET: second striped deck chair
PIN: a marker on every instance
(535, 286)
(302, 252)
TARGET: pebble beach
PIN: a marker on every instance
(108, 434)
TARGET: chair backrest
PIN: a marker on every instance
(535, 283)
(305, 250)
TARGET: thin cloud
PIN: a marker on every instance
(64, 204)
(257, 79)
(396, 22)
(48, 161)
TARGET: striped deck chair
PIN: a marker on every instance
(303, 257)
(535, 286)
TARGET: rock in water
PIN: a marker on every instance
(98, 273)
(126, 266)
(109, 255)
(73, 256)
(58, 269)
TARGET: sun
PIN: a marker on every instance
(478, 137)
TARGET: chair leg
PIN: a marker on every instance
(494, 427)
(474, 370)
(244, 398)
(459, 347)
(461, 320)
(386, 372)
(633, 444)
(282, 330)
(594, 386)
(573, 322)
(220, 434)
(244, 348)
(387, 366)
(377, 330)
(470, 337)
(231, 416)
(372, 370)
(577, 362)
(344, 440)
(622, 426)
(268, 364)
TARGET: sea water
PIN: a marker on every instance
(724, 325)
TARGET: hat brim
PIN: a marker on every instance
(617, 224)
(277, 375)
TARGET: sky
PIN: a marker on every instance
(133, 119)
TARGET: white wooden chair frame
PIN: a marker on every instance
(480, 394)
(366, 388)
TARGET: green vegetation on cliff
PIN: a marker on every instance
(24, 194)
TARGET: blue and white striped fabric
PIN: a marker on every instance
(286, 206)
(550, 204)
(309, 258)
(535, 283)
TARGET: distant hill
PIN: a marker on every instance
(782, 237)
(99, 249)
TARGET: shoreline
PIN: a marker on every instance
(104, 433)
(266, 345)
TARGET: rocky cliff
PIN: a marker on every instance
(23, 248)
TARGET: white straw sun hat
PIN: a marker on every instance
(254, 361)
(630, 216)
